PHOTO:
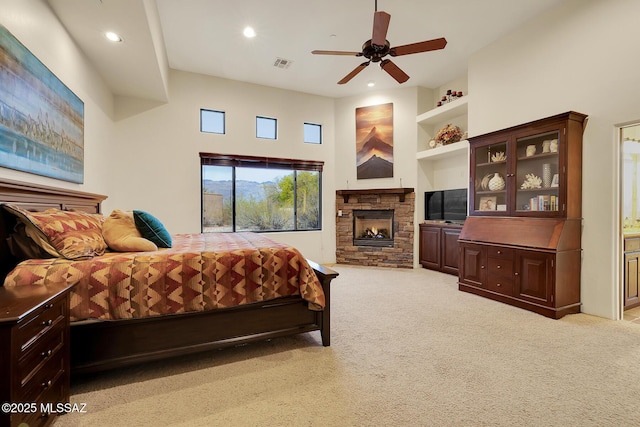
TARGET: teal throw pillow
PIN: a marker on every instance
(152, 229)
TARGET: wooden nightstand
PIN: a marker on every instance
(34, 353)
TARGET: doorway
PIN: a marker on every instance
(630, 217)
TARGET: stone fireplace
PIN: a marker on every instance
(375, 227)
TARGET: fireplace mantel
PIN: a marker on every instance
(399, 191)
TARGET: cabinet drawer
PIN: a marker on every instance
(44, 378)
(53, 395)
(500, 276)
(41, 351)
(631, 244)
(498, 252)
(500, 269)
(500, 287)
(41, 321)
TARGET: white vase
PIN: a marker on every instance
(497, 182)
(546, 175)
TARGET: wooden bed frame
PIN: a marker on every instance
(100, 345)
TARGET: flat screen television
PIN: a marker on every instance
(447, 205)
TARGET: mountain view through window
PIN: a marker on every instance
(259, 199)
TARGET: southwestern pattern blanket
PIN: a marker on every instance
(200, 272)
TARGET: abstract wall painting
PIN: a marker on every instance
(374, 141)
(41, 119)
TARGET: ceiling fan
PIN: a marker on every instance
(378, 47)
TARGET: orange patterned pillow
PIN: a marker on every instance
(74, 234)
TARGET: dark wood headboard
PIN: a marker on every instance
(36, 197)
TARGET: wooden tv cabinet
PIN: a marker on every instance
(439, 248)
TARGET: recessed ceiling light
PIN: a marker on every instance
(113, 36)
(249, 32)
(371, 83)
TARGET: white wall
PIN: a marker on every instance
(36, 27)
(405, 133)
(581, 57)
(405, 105)
(158, 149)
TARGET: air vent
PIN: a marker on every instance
(282, 63)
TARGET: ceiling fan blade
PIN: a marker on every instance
(425, 46)
(335, 52)
(352, 74)
(380, 27)
(394, 71)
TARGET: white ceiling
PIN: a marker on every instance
(205, 36)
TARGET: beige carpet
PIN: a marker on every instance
(408, 349)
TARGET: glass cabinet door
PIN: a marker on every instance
(530, 170)
(537, 176)
(489, 163)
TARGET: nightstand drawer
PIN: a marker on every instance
(41, 351)
(51, 395)
(44, 378)
(41, 321)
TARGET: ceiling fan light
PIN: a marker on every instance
(249, 32)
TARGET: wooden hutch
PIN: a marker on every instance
(521, 243)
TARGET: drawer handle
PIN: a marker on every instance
(499, 252)
(47, 322)
(498, 284)
(499, 267)
(48, 306)
(515, 274)
(46, 354)
(482, 267)
(47, 384)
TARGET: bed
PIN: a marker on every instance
(107, 337)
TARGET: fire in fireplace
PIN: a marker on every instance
(373, 228)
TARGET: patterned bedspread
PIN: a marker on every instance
(200, 272)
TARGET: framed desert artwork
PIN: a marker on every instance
(374, 141)
(41, 119)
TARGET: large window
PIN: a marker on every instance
(242, 193)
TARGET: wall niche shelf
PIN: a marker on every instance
(445, 151)
(456, 108)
